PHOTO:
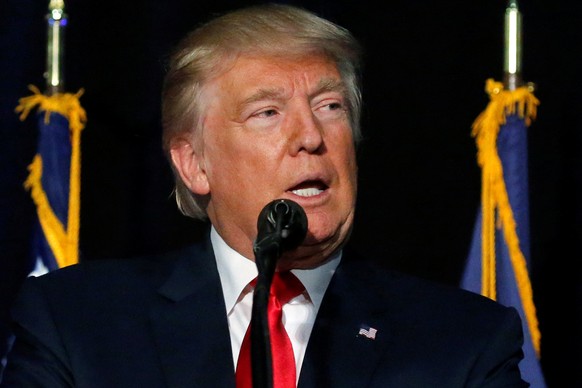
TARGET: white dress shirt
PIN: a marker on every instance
(236, 272)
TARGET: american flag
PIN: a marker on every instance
(368, 332)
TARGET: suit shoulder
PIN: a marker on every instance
(419, 295)
(112, 274)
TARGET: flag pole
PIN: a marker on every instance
(56, 24)
(512, 51)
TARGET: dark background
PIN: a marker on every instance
(426, 67)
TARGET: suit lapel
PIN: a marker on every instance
(190, 324)
(337, 355)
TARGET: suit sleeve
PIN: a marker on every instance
(38, 357)
(498, 364)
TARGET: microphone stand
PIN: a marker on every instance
(282, 225)
(266, 254)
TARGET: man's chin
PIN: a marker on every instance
(308, 255)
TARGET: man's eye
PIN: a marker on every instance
(334, 106)
(266, 113)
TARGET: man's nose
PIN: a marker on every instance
(306, 132)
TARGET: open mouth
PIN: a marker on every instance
(309, 188)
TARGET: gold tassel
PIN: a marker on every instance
(64, 242)
(494, 199)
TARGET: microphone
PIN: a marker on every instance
(282, 226)
(283, 223)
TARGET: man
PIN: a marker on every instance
(260, 104)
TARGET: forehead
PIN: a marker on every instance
(251, 72)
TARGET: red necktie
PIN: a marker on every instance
(285, 286)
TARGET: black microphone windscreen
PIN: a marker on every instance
(285, 218)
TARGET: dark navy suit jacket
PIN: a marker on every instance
(161, 322)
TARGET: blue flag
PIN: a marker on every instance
(54, 179)
(54, 182)
(497, 265)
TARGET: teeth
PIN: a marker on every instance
(307, 192)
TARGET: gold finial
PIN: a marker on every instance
(56, 5)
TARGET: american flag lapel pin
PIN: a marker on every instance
(368, 332)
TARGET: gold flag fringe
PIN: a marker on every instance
(64, 242)
(495, 204)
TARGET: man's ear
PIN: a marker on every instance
(190, 166)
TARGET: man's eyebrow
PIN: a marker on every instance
(264, 94)
(273, 93)
(330, 85)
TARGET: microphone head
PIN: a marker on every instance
(285, 218)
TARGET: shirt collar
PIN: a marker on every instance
(236, 271)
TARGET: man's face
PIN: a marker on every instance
(278, 128)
